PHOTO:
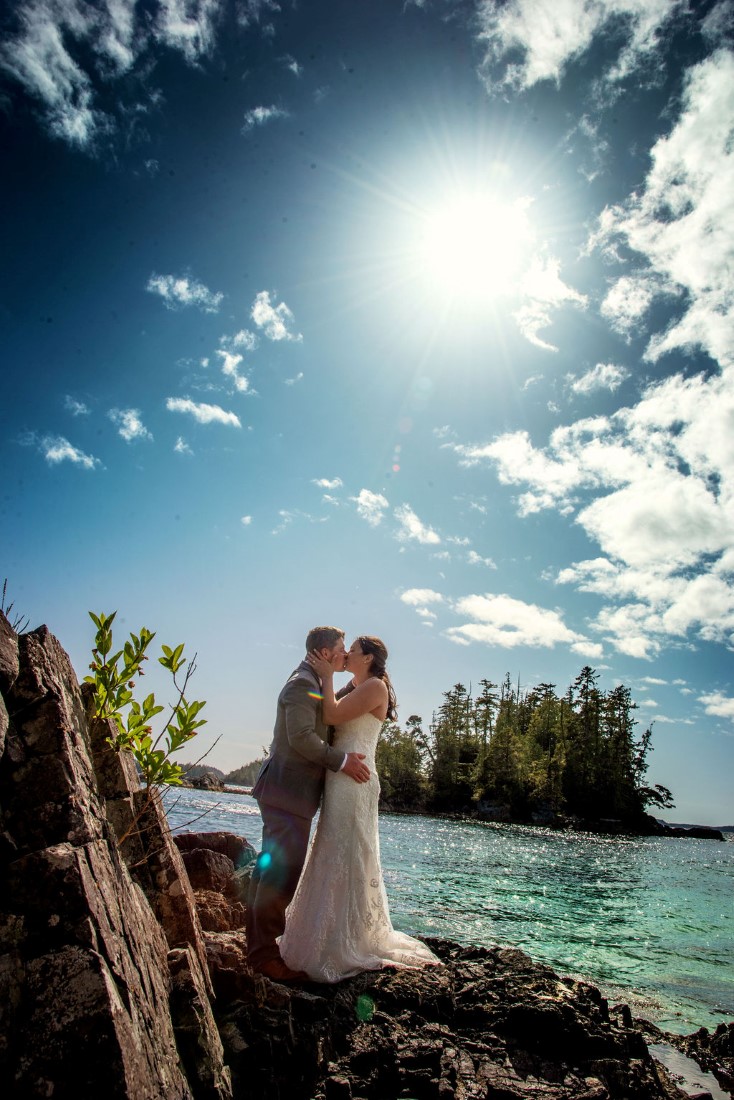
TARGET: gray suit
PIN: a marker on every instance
(288, 790)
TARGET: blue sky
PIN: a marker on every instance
(411, 317)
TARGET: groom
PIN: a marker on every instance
(288, 790)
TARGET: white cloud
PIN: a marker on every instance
(412, 528)
(129, 424)
(246, 521)
(476, 559)
(259, 116)
(273, 320)
(604, 376)
(292, 65)
(56, 449)
(38, 57)
(76, 408)
(203, 413)
(180, 290)
(416, 597)
(294, 381)
(188, 27)
(242, 339)
(328, 483)
(529, 41)
(717, 704)
(420, 599)
(370, 506)
(503, 621)
(64, 52)
(181, 447)
(680, 224)
(629, 299)
(542, 290)
(230, 369)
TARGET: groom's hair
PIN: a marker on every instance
(323, 637)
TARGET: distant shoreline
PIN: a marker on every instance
(586, 827)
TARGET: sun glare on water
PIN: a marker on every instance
(475, 247)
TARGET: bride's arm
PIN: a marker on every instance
(362, 700)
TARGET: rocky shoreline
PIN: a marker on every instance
(122, 967)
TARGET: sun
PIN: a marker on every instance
(475, 246)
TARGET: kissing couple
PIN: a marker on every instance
(318, 912)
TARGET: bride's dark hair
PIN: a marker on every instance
(377, 649)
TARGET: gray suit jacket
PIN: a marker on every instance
(292, 777)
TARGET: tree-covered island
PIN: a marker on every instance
(504, 754)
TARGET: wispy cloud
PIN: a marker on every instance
(178, 291)
(542, 290)
(292, 65)
(530, 41)
(56, 449)
(38, 57)
(189, 28)
(294, 381)
(230, 369)
(243, 340)
(246, 521)
(604, 376)
(328, 483)
(411, 527)
(260, 116)
(129, 424)
(181, 447)
(273, 320)
(66, 53)
(629, 298)
(203, 413)
(370, 506)
(474, 558)
(76, 408)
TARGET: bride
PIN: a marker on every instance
(338, 922)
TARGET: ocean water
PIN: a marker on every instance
(649, 920)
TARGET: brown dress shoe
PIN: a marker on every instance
(277, 971)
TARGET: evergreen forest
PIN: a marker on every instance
(522, 756)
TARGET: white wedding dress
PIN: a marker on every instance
(338, 922)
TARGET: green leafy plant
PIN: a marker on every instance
(113, 675)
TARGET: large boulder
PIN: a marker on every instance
(219, 866)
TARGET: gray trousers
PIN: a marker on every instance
(274, 880)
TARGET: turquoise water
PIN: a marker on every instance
(649, 920)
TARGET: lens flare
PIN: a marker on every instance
(364, 1008)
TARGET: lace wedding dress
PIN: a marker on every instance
(338, 922)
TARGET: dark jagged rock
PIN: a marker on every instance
(712, 1050)
(490, 1023)
(207, 782)
(87, 1003)
(9, 662)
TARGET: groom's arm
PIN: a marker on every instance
(301, 712)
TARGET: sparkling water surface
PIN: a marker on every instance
(650, 920)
